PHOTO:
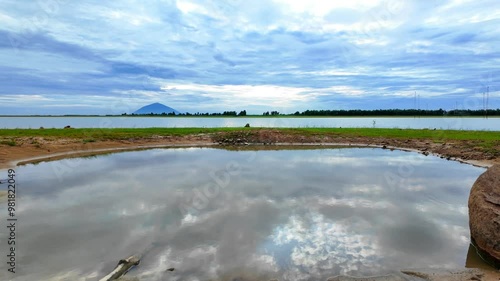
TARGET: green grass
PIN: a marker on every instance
(8, 142)
(90, 135)
(436, 135)
(486, 141)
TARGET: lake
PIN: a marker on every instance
(491, 124)
(215, 214)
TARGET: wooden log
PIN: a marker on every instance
(122, 268)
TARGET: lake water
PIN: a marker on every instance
(491, 124)
(215, 214)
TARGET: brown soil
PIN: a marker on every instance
(29, 149)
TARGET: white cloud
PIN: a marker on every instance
(190, 7)
(129, 18)
(286, 54)
(237, 94)
(320, 8)
(24, 98)
(47, 62)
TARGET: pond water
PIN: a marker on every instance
(216, 214)
(491, 124)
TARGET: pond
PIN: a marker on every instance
(216, 214)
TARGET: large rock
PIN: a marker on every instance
(484, 215)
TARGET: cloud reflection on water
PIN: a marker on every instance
(292, 215)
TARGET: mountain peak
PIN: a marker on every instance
(155, 108)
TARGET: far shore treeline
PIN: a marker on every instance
(352, 112)
(307, 113)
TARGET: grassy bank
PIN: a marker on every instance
(402, 133)
(108, 134)
(18, 144)
(121, 133)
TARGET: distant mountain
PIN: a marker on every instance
(155, 108)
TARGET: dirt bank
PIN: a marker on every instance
(27, 149)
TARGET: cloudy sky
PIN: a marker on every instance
(88, 57)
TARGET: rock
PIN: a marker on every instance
(391, 277)
(484, 215)
(247, 125)
(124, 278)
(446, 275)
(67, 127)
(420, 275)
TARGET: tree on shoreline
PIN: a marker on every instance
(347, 113)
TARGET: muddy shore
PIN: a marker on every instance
(36, 149)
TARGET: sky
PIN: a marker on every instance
(112, 57)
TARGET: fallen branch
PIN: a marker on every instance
(122, 268)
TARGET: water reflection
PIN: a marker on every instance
(216, 214)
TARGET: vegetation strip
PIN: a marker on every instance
(19, 144)
(7, 135)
